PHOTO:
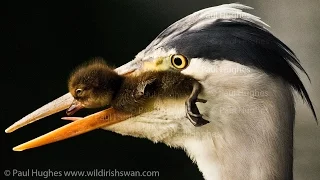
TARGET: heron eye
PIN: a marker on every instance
(179, 61)
(78, 91)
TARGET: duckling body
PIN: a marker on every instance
(156, 84)
(96, 85)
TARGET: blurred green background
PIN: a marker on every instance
(44, 41)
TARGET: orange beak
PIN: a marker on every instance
(86, 124)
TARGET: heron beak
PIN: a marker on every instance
(94, 121)
(53, 107)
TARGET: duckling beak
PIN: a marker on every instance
(94, 121)
(75, 106)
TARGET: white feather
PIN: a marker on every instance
(251, 116)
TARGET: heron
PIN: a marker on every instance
(248, 77)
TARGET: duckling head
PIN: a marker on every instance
(93, 85)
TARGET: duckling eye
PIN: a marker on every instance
(179, 61)
(78, 91)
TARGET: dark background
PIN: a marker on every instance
(45, 41)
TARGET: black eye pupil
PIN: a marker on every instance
(78, 91)
(177, 61)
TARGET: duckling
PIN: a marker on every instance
(95, 85)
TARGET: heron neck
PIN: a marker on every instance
(219, 160)
(203, 154)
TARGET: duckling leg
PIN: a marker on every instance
(192, 110)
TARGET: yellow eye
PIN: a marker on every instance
(179, 61)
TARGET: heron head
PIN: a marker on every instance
(225, 49)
